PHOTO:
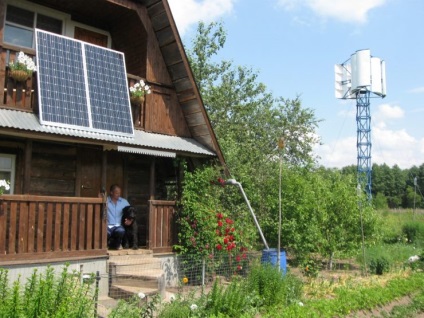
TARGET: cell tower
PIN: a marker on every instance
(361, 77)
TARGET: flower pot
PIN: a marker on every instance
(19, 75)
(137, 100)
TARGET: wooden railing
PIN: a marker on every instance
(44, 228)
(161, 225)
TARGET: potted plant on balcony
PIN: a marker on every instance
(22, 67)
(138, 92)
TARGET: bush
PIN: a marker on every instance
(47, 295)
(379, 265)
(272, 287)
(414, 232)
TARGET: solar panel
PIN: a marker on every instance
(82, 85)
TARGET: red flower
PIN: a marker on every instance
(225, 240)
(239, 267)
(233, 229)
(227, 230)
(238, 258)
(229, 221)
(219, 215)
(244, 256)
(218, 247)
(219, 223)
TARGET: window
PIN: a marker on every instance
(7, 170)
(20, 25)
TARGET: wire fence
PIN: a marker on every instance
(166, 275)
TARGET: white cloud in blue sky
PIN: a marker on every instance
(354, 11)
(189, 12)
(294, 44)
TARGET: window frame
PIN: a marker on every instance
(36, 9)
(12, 170)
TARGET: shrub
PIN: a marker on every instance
(379, 265)
(414, 232)
(272, 287)
(47, 295)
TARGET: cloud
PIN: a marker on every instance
(343, 10)
(418, 90)
(389, 146)
(189, 12)
(386, 113)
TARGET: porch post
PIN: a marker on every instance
(152, 183)
(27, 167)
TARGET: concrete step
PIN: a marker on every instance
(131, 272)
(105, 305)
(118, 291)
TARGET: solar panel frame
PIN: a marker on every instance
(82, 86)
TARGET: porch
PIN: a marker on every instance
(44, 229)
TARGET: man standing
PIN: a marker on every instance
(115, 230)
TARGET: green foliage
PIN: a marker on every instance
(272, 287)
(228, 301)
(46, 295)
(211, 223)
(414, 232)
(379, 265)
(310, 268)
(136, 307)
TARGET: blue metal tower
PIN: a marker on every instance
(358, 78)
(363, 140)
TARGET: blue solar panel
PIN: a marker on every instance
(106, 73)
(82, 85)
(61, 81)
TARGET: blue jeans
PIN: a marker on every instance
(114, 236)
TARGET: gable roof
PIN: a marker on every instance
(172, 50)
(182, 77)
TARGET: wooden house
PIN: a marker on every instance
(53, 211)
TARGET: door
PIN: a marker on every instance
(90, 36)
(90, 172)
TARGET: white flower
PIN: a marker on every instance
(193, 307)
(23, 62)
(172, 298)
(141, 295)
(140, 89)
(4, 184)
(300, 304)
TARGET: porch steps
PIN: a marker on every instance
(133, 272)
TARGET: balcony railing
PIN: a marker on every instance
(23, 95)
(45, 228)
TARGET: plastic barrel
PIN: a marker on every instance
(270, 256)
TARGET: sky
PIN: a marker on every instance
(294, 44)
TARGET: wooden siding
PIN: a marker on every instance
(45, 228)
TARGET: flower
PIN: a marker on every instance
(139, 89)
(23, 63)
(193, 307)
(4, 185)
(141, 295)
(185, 280)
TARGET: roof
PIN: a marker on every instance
(143, 142)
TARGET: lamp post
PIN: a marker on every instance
(280, 147)
(234, 182)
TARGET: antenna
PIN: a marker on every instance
(361, 77)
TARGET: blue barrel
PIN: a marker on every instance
(270, 256)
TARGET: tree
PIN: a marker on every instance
(320, 212)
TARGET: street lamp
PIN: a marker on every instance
(234, 182)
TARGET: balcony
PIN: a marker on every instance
(23, 95)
